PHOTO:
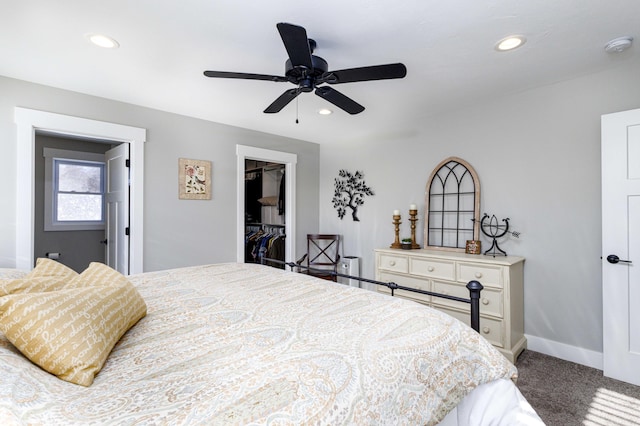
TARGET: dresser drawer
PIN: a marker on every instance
(487, 275)
(501, 300)
(389, 262)
(432, 268)
(406, 282)
(491, 329)
(490, 299)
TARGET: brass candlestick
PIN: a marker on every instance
(396, 222)
(413, 217)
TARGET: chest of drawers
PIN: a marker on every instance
(501, 300)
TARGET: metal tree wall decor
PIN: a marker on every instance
(350, 191)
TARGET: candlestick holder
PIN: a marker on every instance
(396, 222)
(413, 218)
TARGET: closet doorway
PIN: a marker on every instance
(272, 176)
(264, 211)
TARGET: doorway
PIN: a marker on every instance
(289, 161)
(30, 121)
(264, 212)
(69, 181)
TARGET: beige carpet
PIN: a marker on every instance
(564, 393)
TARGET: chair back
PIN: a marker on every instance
(323, 254)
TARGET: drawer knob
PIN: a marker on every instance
(478, 274)
(486, 330)
(431, 269)
(485, 301)
(392, 263)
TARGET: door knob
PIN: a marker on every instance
(612, 258)
(103, 242)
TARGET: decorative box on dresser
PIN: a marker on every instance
(501, 300)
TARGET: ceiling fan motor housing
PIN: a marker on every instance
(304, 77)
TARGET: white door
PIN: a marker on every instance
(621, 245)
(117, 208)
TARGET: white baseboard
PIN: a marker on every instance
(575, 354)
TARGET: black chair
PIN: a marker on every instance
(322, 257)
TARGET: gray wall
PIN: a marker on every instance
(177, 232)
(537, 154)
(77, 248)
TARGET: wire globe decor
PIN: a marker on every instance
(492, 228)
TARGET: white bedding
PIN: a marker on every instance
(497, 403)
(247, 344)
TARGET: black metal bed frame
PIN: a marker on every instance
(474, 288)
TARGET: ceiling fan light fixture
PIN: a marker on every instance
(510, 43)
(102, 40)
(325, 111)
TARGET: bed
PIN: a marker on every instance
(249, 344)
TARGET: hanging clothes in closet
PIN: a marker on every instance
(262, 243)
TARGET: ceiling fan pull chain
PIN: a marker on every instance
(297, 101)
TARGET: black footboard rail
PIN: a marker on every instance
(474, 288)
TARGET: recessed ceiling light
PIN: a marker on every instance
(510, 43)
(102, 41)
(325, 111)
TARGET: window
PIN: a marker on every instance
(78, 191)
(74, 190)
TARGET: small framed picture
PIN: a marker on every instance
(194, 179)
(473, 247)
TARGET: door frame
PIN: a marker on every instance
(243, 153)
(28, 121)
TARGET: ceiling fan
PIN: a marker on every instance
(309, 72)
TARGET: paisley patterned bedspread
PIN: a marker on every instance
(248, 344)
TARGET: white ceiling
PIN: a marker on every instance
(447, 46)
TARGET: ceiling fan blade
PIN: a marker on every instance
(297, 44)
(245, 76)
(339, 100)
(376, 72)
(282, 101)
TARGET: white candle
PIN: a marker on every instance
(413, 207)
(396, 212)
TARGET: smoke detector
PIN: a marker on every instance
(618, 45)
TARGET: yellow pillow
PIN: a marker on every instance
(48, 275)
(97, 274)
(71, 332)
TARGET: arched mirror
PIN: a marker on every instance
(452, 205)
